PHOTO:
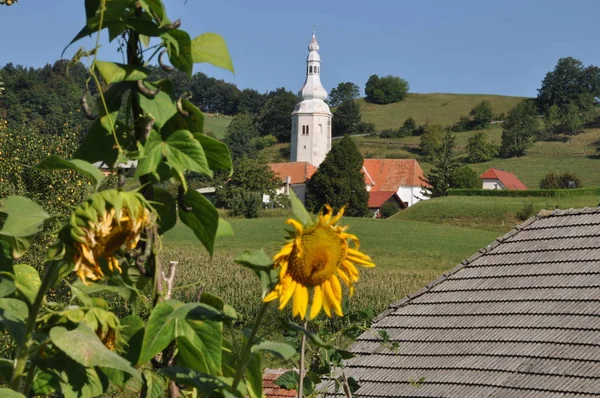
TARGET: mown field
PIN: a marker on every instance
(408, 255)
(216, 124)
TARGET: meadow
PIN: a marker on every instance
(216, 124)
(408, 255)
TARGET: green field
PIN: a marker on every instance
(216, 124)
(408, 255)
(433, 108)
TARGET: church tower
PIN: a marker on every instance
(311, 119)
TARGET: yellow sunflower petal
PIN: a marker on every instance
(339, 215)
(331, 297)
(351, 269)
(271, 296)
(317, 302)
(326, 306)
(297, 226)
(344, 277)
(286, 294)
(300, 303)
(337, 287)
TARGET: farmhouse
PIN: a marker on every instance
(294, 176)
(500, 179)
(520, 318)
(403, 176)
(379, 198)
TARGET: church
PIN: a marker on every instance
(398, 180)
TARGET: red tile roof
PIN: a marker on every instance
(391, 174)
(378, 198)
(509, 180)
(298, 171)
(272, 390)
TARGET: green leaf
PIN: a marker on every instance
(44, 383)
(7, 286)
(132, 332)
(206, 384)
(254, 378)
(83, 346)
(224, 228)
(144, 27)
(195, 118)
(24, 216)
(5, 257)
(98, 145)
(155, 8)
(166, 209)
(13, 314)
(19, 246)
(8, 393)
(217, 153)
(180, 55)
(55, 162)
(160, 108)
(199, 346)
(112, 72)
(298, 209)
(288, 380)
(203, 219)
(313, 337)
(108, 111)
(281, 350)
(154, 385)
(211, 48)
(27, 281)
(257, 258)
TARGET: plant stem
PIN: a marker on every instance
(301, 370)
(241, 368)
(22, 352)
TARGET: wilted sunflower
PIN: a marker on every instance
(101, 227)
(315, 258)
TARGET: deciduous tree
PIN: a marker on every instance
(346, 118)
(385, 90)
(275, 117)
(482, 115)
(346, 91)
(445, 163)
(241, 135)
(479, 149)
(519, 129)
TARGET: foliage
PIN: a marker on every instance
(365, 128)
(274, 118)
(565, 180)
(408, 128)
(345, 91)
(552, 120)
(385, 90)
(565, 85)
(526, 212)
(479, 149)
(571, 121)
(241, 136)
(388, 209)
(339, 181)
(431, 140)
(346, 119)
(518, 130)
(440, 178)
(482, 115)
(465, 177)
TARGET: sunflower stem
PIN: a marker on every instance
(301, 370)
(247, 347)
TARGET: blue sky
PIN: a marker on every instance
(480, 46)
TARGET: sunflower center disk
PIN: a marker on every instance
(319, 256)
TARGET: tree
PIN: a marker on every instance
(569, 79)
(251, 101)
(408, 128)
(519, 128)
(479, 149)
(275, 116)
(385, 90)
(571, 121)
(241, 135)
(565, 180)
(431, 140)
(346, 118)
(346, 91)
(440, 177)
(552, 120)
(465, 177)
(340, 181)
(482, 115)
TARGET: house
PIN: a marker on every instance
(379, 198)
(403, 176)
(500, 179)
(272, 390)
(128, 166)
(294, 176)
(520, 318)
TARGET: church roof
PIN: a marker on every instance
(391, 174)
(520, 318)
(299, 172)
(509, 180)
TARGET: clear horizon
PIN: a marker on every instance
(468, 47)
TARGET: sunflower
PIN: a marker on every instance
(103, 233)
(315, 258)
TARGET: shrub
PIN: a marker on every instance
(532, 193)
(385, 90)
(365, 128)
(479, 149)
(387, 133)
(482, 115)
(388, 209)
(465, 177)
(463, 124)
(565, 180)
(526, 212)
(407, 128)
(266, 141)
(431, 140)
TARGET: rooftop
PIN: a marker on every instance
(299, 172)
(509, 180)
(390, 174)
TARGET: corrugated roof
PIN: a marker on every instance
(378, 198)
(299, 172)
(509, 180)
(391, 174)
(520, 318)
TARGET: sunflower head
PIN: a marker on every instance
(106, 222)
(313, 260)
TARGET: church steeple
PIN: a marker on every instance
(311, 119)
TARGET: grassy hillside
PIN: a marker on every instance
(216, 124)
(434, 108)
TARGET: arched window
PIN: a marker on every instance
(310, 69)
(306, 130)
(303, 129)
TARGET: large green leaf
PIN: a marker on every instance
(203, 218)
(217, 153)
(24, 216)
(154, 385)
(27, 281)
(132, 333)
(195, 118)
(298, 209)
(18, 246)
(166, 207)
(55, 162)
(161, 107)
(155, 8)
(211, 48)
(254, 376)
(180, 55)
(262, 266)
(7, 285)
(181, 150)
(281, 350)
(13, 314)
(83, 346)
(199, 346)
(108, 111)
(224, 228)
(206, 384)
(98, 145)
(8, 393)
(112, 72)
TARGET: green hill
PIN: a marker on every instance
(434, 108)
(216, 124)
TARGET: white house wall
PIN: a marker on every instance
(411, 194)
(492, 183)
